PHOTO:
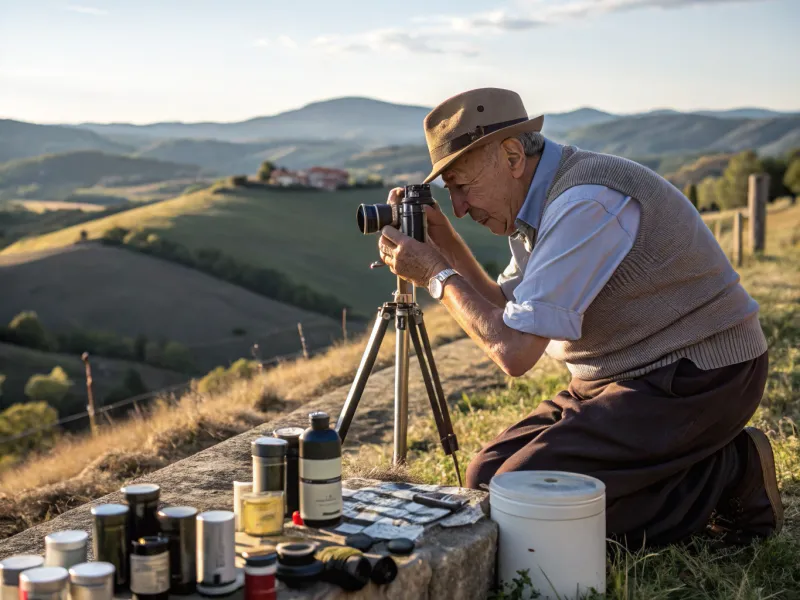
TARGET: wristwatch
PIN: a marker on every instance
(436, 283)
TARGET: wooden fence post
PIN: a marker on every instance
(89, 393)
(344, 324)
(302, 340)
(737, 238)
(718, 229)
(757, 193)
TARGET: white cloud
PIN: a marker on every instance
(87, 10)
(287, 42)
(391, 40)
(261, 43)
(537, 14)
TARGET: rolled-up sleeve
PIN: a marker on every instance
(585, 234)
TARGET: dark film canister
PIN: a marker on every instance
(179, 525)
(150, 568)
(110, 541)
(143, 501)
(292, 437)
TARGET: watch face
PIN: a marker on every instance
(436, 288)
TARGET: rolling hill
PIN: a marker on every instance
(23, 140)
(310, 236)
(55, 176)
(99, 287)
(18, 364)
(350, 118)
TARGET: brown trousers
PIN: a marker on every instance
(661, 443)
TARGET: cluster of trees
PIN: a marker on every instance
(730, 190)
(26, 329)
(267, 282)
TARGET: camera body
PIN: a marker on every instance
(408, 216)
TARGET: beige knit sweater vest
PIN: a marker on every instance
(674, 295)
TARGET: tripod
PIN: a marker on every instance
(408, 320)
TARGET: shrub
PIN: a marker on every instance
(51, 388)
(177, 357)
(214, 382)
(243, 368)
(132, 385)
(29, 331)
(115, 235)
(238, 180)
(20, 418)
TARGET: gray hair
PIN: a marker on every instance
(532, 142)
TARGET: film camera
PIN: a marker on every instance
(408, 216)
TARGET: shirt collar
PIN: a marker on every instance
(530, 214)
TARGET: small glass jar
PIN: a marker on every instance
(10, 570)
(269, 464)
(92, 581)
(240, 488)
(262, 514)
(150, 568)
(44, 583)
(259, 575)
(110, 542)
(65, 548)
(143, 501)
(179, 524)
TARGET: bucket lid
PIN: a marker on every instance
(71, 539)
(557, 488)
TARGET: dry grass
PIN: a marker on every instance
(174, 428)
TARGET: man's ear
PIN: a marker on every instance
(514, 155)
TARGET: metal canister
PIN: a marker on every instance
(216, 569)
(43, 583)
(178, 523)
(10, 569)
(292, 437)
(269, 464)
(65, 548)
(259, 575)
(110, 541)
(150, 568)
(92, 581)
(143, 500)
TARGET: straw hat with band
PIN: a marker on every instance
(472, 119)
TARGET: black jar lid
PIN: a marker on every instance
(176, 513)
(296, 553)
(290, 434)
(112, 514)
(260, 558)
(359, 541)
(150, 545)
(319, 420)
(141, 492)
(400, 546)
(269, 447)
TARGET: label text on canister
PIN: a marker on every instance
(321, 483)
(150, 574)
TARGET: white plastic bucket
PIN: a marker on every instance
(553, 524)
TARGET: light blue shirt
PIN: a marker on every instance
(561, 258)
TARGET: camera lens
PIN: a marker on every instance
(374, 217)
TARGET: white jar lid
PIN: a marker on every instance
(11, 567)
(44, 578)
(91, 573)
(71, 539)
(216, 516)
(532, 491)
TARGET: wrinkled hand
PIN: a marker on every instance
(406, 257)
(441, 233)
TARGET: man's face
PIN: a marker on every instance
(481, 185)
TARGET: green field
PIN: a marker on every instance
(18, 364)
(310, 236)
(91, 286)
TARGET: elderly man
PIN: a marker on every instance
(613, 272)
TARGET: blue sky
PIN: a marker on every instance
(225, 60)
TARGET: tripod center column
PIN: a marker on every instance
(401, 373)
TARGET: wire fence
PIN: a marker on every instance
(169, 391)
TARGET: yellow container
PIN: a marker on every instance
(262, 513)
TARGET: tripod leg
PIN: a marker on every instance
(446, 432)
(401, 386)
(364, 369)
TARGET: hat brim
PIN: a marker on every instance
(506, 132)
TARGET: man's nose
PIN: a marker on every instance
(460, 206)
